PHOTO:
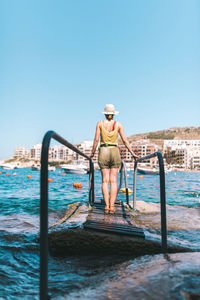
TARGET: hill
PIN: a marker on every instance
(174, 133)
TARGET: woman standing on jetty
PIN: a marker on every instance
(109, 157)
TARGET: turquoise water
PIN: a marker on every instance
(19, 226)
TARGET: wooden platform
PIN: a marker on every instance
(117, 223)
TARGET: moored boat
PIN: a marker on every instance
(35, 168)
(38, 167)
(8, 166)
(148, 170)
(79, 168)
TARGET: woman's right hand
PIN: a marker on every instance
(135, 156)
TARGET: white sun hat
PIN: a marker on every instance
(110, 110)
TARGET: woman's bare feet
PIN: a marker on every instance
(107, 209)
(112, 210)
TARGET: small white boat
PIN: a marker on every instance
(8, 166)
(78, 168)
(148, 170)
(38, 167)
(35, 168)
(51, 168)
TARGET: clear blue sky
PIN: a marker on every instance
(62, 61)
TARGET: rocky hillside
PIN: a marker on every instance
(176, 133)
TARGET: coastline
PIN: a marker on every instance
(28, 163)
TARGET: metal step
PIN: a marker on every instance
(114, 228)
(101, 211)
(101, 202)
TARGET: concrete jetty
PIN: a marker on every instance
(88, 230)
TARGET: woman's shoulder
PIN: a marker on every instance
(119, 125)
(99, 123)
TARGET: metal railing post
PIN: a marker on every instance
(162, 195)
(134, 185)
(121, 178)
(163, 203)
(44, 217)
(44, 204)
(91, 183)
(126, 183)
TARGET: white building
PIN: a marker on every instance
(176, 143)
(193, 158)
(60, 153)
(36, 152)
(140, 148)
(86, 148)
(21, 152)
(184, 152)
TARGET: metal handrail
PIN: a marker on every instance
(162, 194)
(44, 204)
(123, 170)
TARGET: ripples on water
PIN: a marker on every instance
(97, 277)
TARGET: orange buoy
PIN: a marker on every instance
(29, 176)
(140, 176)
(77, 185)
(0, 172)
(14, 174)
(50, 180)
(63, 173)
(7, 173)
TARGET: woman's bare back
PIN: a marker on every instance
(108, 125)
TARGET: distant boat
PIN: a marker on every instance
(148, 170)
(8, 166)
(38, 167)
(152, 170)
(35, 168)
(78, 168)
(51, 168)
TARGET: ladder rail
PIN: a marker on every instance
(44, 204)
(162, 194)
(123, 170)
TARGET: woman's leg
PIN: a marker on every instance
(105, 182)
(113, 186)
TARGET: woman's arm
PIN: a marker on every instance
(125, 141)
(96, 139)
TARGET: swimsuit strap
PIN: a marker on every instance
(114, 125)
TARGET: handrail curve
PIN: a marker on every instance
(162, 194)
(123, 170)
(44, 204)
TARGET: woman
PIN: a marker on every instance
(109, 157)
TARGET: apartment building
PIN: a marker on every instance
(36, 152)
(193, 161)
(177, 143)
(183, 152)
(140, 148)
(86, 148)
(21, 152)
(60, 153)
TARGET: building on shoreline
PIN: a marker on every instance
(185, 153)
(60, 153)
(21, 152)
(140, 148)
(86, 148)
(35, 152)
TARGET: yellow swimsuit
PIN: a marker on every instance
(109, 137)
(109, 156)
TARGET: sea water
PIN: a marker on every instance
(102, 277)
